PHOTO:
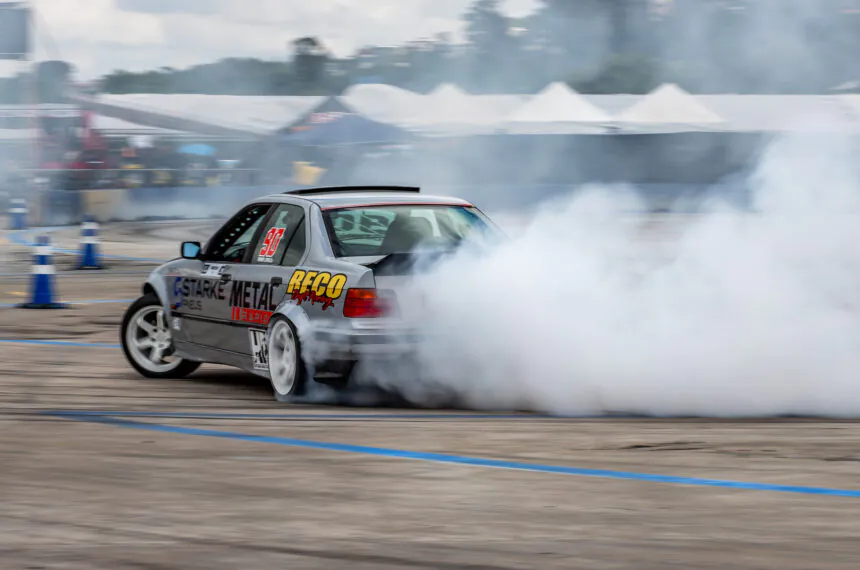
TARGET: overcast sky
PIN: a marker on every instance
(99, 36)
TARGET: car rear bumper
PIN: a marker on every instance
(358, 344)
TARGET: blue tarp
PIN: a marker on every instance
(348, 129)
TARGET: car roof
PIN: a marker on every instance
(351, 198)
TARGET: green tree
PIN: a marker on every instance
(12, 89)
(486, 26)
(576, 35)
(231, 76)
(493, 48)
(633, 74)
(52, 79)
(309, 63)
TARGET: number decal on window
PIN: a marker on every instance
(270, 245)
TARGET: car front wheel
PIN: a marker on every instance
(147, 341)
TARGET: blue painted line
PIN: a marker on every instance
(65, 274)
(113, 256)
(15, 235)
(472, 461)
(85, 302)
(101, 301)
(59, 343)
(315, 416)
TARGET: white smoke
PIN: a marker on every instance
(742, 314)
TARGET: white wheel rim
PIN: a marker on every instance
(149, 341)
(283, 357)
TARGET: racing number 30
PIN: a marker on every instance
(270, 245)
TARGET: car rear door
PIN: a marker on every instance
(202, 292)
(259, 286)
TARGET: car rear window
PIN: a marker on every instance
(384, 230)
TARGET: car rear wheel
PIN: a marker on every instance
(286, 368)
(147, 341)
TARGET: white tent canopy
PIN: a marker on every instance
(19, 135)
(501, 106)
(384, 103)
(669, 108)
(261, 115)
(448, 92)
(779, 113)
(557, 108)
(850, 105)
(113, 125)
(449, 109)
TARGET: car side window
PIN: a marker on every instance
(232, 241)
(296, 248)
(273, 245)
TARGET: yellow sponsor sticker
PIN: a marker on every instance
(316, 287)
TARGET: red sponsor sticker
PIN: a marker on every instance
(253, 316)
(312, 298)
(270, 244)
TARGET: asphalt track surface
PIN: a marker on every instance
(102, 469)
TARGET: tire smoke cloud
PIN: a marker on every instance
(726, 313)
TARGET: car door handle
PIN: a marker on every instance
(226, 277)
(276, 281)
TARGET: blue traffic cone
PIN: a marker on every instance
(42, 284)
(90, 245)
(18, 214)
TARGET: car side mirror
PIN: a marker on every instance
(191, 249)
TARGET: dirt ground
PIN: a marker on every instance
(213, 474)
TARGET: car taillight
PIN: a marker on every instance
(363, 304)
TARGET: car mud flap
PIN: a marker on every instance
(334, 373)
(403, 381)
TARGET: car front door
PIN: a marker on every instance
(202, 291)
(259, 287)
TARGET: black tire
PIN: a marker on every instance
(181, 370)
(299, 385)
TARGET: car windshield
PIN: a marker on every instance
(385, 230)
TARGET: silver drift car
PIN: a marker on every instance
(296, 286)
